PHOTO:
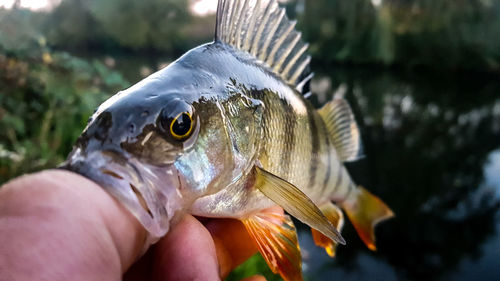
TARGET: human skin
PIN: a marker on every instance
(57, 225)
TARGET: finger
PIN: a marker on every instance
(186, 253)
(57, 225)
(232, 242)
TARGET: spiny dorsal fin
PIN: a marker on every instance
(343, 130)
(261, 28)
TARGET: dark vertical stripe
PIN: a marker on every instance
(313, 166)
(261, 95)
(289, 125)
(265, 133)
(329, 160)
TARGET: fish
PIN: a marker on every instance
(227, 131)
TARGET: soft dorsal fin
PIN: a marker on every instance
(261, 28)
(343, 130)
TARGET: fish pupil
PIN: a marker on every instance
(182, 125)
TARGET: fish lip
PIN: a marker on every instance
(152, 197)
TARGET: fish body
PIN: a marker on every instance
(226, 131)
(294, 145)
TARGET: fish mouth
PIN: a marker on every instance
(152, 194)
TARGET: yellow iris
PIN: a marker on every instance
(181, 128)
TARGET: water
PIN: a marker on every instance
(432, 146)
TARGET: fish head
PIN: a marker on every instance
(174, 137)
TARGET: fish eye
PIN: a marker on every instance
(176, 121)
(181, 126)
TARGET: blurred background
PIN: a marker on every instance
(423, 77)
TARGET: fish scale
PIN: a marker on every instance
(289, 150)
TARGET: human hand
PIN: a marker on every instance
(56, 225)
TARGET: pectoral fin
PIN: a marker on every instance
(335, 216)
(295, 202)
(276, 239)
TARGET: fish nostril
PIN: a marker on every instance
(131, 128)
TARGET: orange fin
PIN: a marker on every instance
(276, 239)
(365, 210)
(335, 216)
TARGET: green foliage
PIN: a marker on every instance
(18, 32)
(339, 30)
(442, 34)
(45, 100)
(445, 34)
(154, 23)
(71, 26)
(256, 265)
(127, 24)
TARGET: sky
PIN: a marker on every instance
(31, 4)
(203, 7)
(198, 7)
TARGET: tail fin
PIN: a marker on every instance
(365, 210)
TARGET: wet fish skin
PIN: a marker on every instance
(202, 79)
(294, 146)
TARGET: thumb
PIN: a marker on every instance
(56, 225)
